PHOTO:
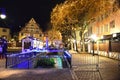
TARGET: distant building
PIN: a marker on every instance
(31, 29)
(5, 32)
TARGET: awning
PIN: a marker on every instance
(111, 36)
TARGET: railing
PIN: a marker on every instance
(21, 60)
(28, 60)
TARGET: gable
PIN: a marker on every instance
(32, 21)
(31, 27)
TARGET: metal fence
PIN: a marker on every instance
(85, 61)
(85, 66)
(29, 60)
(23, 60)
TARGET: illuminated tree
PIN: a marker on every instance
(77, 14)
(54, 35)
(78, 11)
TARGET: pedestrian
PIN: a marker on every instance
(4, 49)
(1, 50)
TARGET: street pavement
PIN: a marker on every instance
(84, 67)
(34, 74)
(89, 67)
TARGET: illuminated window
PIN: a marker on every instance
(97, 30)
(106, 28)
(101, 29)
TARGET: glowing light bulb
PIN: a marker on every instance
(2, 16)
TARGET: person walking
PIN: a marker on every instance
(1, 47)
(4, 48)
(1, 50)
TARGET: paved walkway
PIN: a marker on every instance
(34, 74)
(84, 68)
(2, 63)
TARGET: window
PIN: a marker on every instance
(97, 30)
(4, 30)
(106, 28)
(101, 29)
(112, 24)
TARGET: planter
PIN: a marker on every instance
(45, 63)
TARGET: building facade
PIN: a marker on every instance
(32, 28)
(5, 32)
(106, 27)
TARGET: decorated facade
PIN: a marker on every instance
(32, 28)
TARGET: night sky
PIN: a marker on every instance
(20, 12)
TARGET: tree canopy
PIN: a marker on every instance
(74, 14)
(54, 35)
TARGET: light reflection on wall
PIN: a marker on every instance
(37, 44)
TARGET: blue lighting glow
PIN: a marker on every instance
(23, 60)
(67, 54)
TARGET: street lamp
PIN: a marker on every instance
(94, 38)
(2, 14)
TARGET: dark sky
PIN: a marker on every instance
(20, 12)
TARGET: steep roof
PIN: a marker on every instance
(32, 24)
(32, 20)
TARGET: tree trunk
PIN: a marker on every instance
(83, 46)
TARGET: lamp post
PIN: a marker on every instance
(94, 38)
